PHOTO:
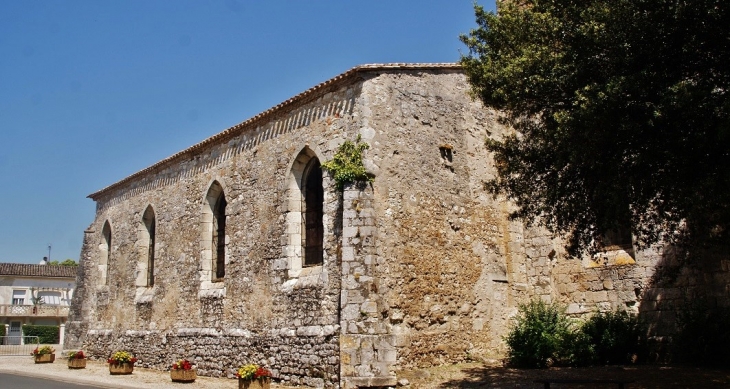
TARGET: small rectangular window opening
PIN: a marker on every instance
(446, 152)
(618, 239)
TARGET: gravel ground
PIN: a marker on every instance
(97, 374)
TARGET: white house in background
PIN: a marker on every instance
(24, 286)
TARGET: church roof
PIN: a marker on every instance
(293, 101)
(27, 270)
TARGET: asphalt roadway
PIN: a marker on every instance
(24, 382)
(22, 372)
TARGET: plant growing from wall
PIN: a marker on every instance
(346, 165)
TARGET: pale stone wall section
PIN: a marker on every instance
(367, 347)
(261, 294)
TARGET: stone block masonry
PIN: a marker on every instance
(257, 257)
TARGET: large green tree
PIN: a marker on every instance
(620, 110)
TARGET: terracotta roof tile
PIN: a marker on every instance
(27, 270)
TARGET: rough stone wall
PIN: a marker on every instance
(443, 255)
(422, 266)
(260, 301)
(454, 268)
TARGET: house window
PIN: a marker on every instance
(50, 297)
(18, 297)
(312, 207)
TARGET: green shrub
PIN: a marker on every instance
(577, 349)
(703, 337)
(615, 337)
(45, 334)
(538, 336)
(2, 329)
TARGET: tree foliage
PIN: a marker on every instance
(66, 262)
(620, 110)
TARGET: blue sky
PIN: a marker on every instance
(93, 91)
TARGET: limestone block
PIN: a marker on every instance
(385, 342)
(599, 296)
(367, 356)
(369, 307)
(310, 331)
(477, 324)
(575, 308)
(367, 133)
(328, 330)
(355, 297)
(352, 328)
(368, 231)
(280, 264)
(349, 232)
(351, 312)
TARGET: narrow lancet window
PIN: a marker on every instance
(312, 209)
(219, 238)
(149, 228)
(105, 249)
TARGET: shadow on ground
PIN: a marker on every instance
(642, 377)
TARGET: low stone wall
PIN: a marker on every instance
(298, 356)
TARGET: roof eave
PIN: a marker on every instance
(231, 131)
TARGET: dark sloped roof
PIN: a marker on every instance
(232, 131)
(27, 270)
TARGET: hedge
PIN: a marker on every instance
(2, 329)
(45, 334)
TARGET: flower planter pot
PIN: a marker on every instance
(259, 383)
(120, 368)
(45, 358)
(181, 375)
(76, 363)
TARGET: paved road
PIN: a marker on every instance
(22, 382)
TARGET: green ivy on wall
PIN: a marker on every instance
(346, 165)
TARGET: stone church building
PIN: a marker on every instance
(241, 248)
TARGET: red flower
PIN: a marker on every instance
(182, 364)
(262, 372)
